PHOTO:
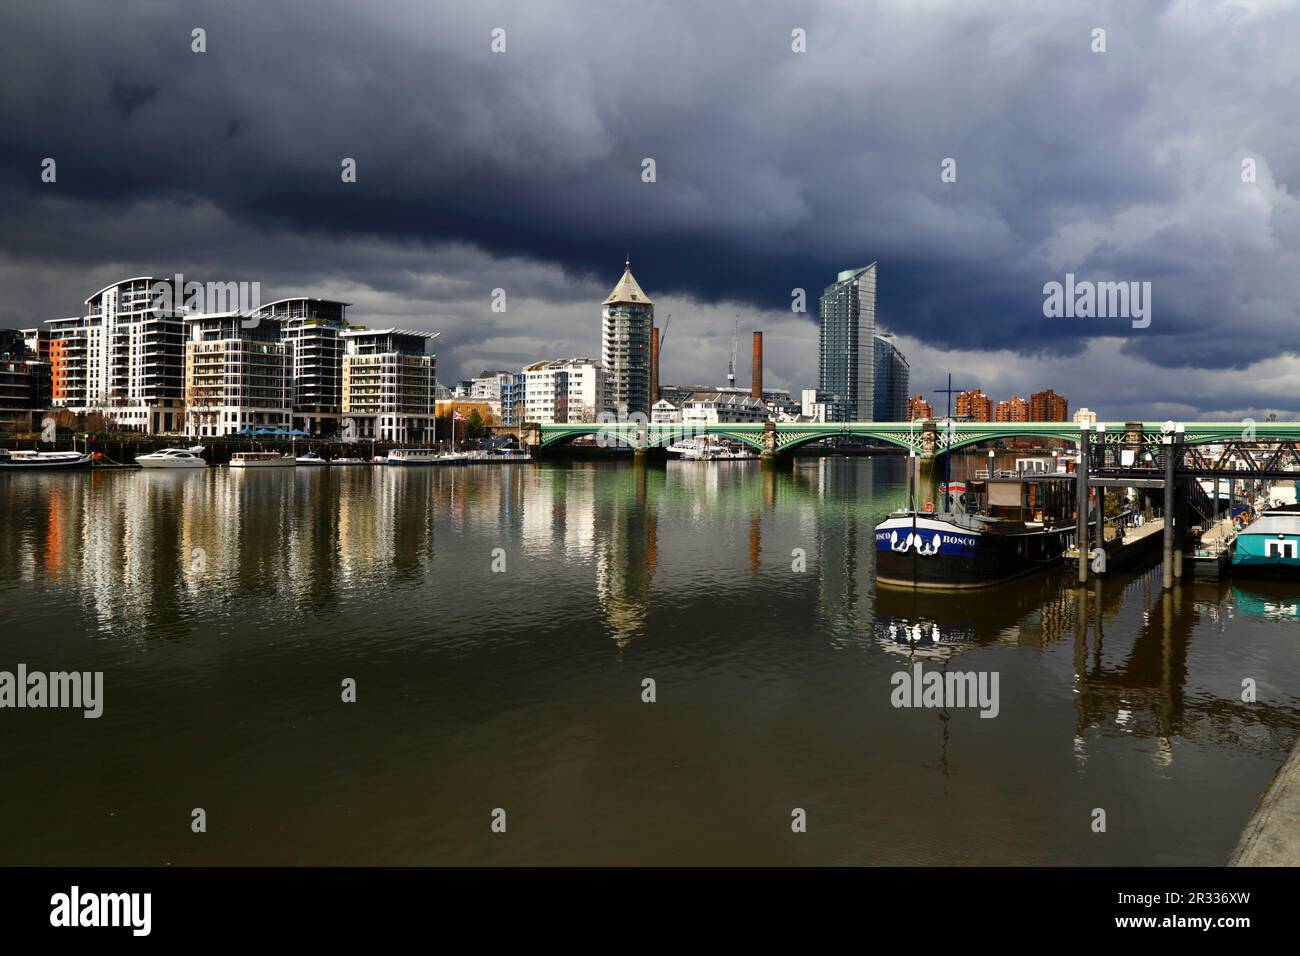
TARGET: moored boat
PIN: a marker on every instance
(1269, 547)
(42, 460)
(311, 458)
(998, 529)
(173, 458)
(261, 459)
(425, 456)
(706, 449)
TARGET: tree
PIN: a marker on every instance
(443, 426)
(474, 425)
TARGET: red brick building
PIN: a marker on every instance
(1013, 409)
(1047, 406)
(974, 405)
(918, 407)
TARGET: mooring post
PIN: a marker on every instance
(1167, 557)
(1101, 517)
(1184, 508)
(1081, 503)
(1101, 489)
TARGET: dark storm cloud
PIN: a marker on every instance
(775, 169)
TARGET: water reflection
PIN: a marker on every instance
(746, 589)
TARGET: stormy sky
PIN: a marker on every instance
(774, 170)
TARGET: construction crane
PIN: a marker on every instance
(735, 342)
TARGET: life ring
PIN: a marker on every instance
(929, 506)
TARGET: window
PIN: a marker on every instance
(1280, 549)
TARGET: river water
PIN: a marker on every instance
(500, 624)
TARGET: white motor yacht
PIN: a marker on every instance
(173, 458)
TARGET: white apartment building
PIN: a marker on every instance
(489, 385)
(815, 405)
(665, 412)
(312, 330)
(388, 385)
(564, 390)
(236, 377)
(727, 406)
(123, 358)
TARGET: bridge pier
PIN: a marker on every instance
(1167, 555)
(929, 438)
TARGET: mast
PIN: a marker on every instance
(947, 452)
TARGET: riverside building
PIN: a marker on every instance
(723, 406)
(973, 405)
(123, 357)
(846, 346)
(138, 359)
(24, 383)
(627, 318)
(237, 377)
(1047, 406)
(564, 390)
(312, 331)
(892, 380)
(388, 384)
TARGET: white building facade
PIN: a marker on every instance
(124, 358)
(312, 331)
(237, 377)
(564, 390)
(388, 385)
(721, 407)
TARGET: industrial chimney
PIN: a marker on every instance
(654, 366)
(756, 372)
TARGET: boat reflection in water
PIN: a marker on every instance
(940, 624)
(1271, 600)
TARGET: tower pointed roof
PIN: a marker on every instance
(627, 289)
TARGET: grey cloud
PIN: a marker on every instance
(775, 169)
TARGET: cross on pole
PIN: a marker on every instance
(947, 453)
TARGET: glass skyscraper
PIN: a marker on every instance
(892, 381)
(846, 360)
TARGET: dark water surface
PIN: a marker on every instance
(226, 608)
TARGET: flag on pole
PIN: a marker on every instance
(457, 416)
